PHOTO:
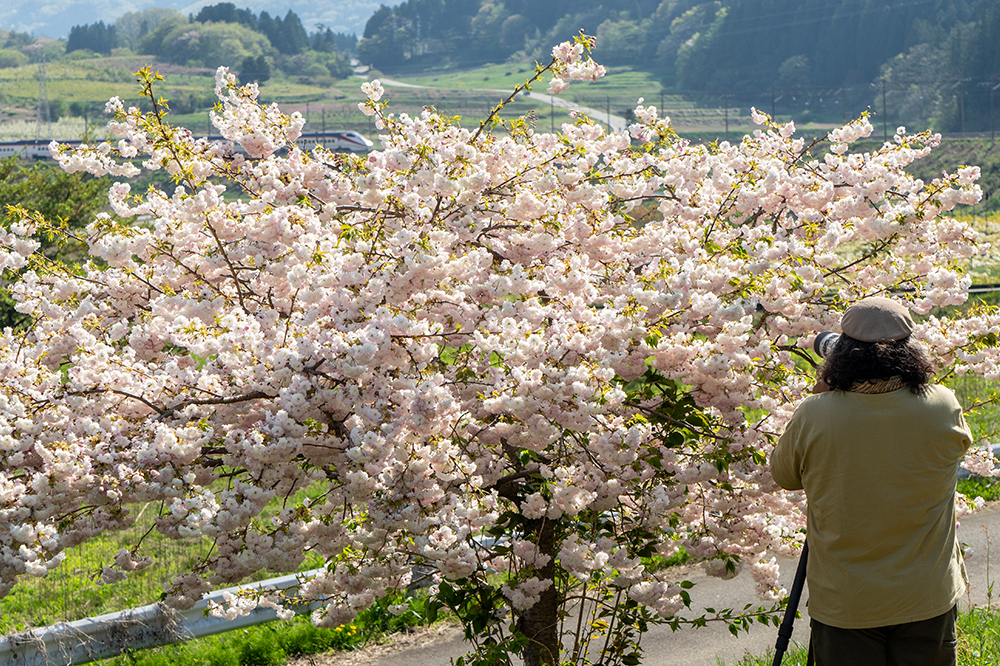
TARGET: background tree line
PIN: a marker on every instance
(223, 34)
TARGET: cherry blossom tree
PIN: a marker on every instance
(534, 364)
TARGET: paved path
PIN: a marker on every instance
(618, 123)
(705, 647)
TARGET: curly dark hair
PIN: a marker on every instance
(855, 361)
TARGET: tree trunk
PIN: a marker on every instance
(540, 623)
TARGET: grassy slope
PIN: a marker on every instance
(955, 152)
(73, 591)
(618, 92)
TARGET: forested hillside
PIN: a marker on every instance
(932, 59)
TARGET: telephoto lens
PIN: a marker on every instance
(824, 343)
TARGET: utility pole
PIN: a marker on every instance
(552, 114)
(609, 113)
(42, 114)
(961, 101)
(726, 98)
(843, 104)
(885, 114)
(992, 129)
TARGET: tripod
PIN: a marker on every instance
(785, 630)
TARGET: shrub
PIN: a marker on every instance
(12, 58)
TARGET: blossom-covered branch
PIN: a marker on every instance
(459, 351)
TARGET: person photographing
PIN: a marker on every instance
(877, 451)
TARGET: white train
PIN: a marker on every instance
(339, 141)
(29, 150)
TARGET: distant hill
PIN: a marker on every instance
(929, 63)
(54, 18)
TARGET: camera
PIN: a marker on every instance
(825, 342)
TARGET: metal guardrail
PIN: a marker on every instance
(110, 635)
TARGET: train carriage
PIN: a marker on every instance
(337, 141)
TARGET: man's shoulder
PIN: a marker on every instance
(819, 403)
(941, 397)
(822, 400)
(931, 395)
(940, 393)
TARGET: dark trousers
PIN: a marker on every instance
(930, 642)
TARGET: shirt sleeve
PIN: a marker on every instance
(786, 459)
(960, 428)
(964, 427)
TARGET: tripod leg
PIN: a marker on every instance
(785, 630)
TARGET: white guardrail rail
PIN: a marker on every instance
(109, 635)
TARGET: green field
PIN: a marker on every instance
(469, 94)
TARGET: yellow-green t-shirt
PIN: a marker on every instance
(879, 471)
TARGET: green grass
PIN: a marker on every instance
(275, 643)
(502, 77)
(623, 84)
(263, 645)
(978, 643)
(978, 397)
(977, 486)
(796, 656)
(979, 638)
(72, 591)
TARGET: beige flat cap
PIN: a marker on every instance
(877, 319)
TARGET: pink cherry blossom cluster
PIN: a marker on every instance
(405, 349)
(572, 62)
(526, 593)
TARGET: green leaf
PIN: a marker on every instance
(432, 609)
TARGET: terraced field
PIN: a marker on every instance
(330, 104)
